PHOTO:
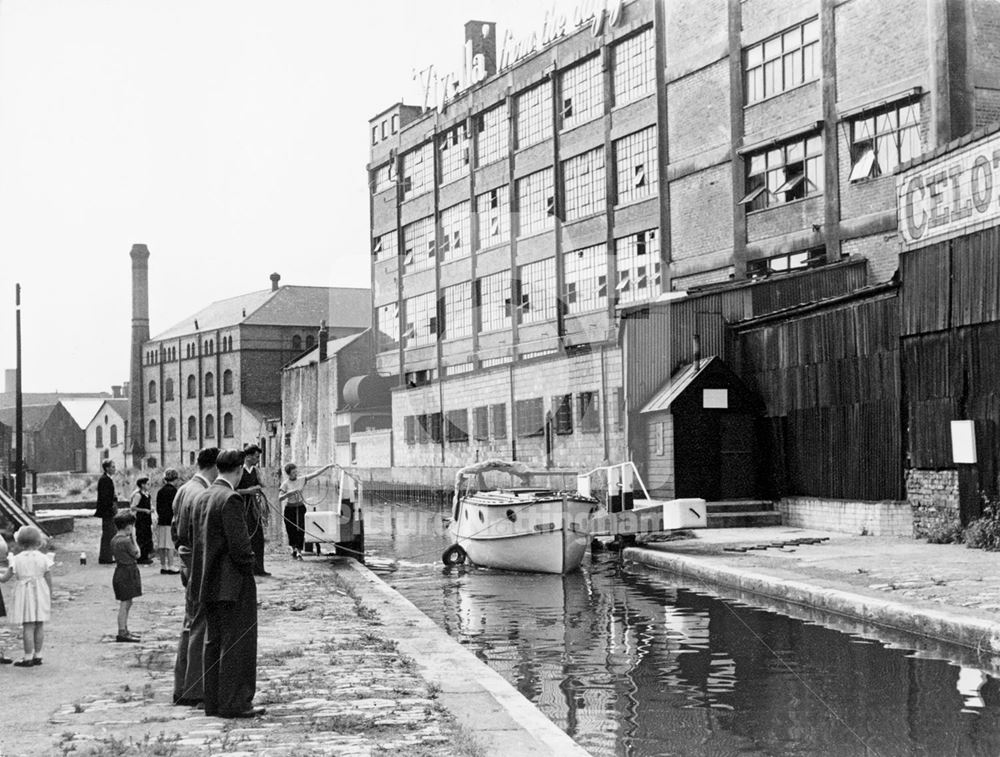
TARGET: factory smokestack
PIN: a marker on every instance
(140, 335)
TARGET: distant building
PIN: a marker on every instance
(107, 436)
(215, 377)
(53, 441)
(333, 409)
(8, 397)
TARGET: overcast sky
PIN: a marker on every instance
(230, 136)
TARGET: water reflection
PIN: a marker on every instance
(630, 663)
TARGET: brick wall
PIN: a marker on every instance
(704, 278)
(701, 213)
(785, 219)
(987, 107)
(933, 497)
(696, 31)
(879, 41)
(545, 379)
(778, 114)
(882, 252)
(846, 516)
(698, 116)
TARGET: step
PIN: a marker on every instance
(739, 506)
(752, 519)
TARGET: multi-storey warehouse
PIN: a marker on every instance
(655, 149)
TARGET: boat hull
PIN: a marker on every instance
(540, 537)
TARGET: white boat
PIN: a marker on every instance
(522, 528)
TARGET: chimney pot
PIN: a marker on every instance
(116, 392)
(324, 335)
(275, 278)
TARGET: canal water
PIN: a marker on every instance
(630, 662)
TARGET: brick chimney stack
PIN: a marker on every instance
(324, 336)
(140, 335)
(275, 278)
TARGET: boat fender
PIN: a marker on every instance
(454, 555)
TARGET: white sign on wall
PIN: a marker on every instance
(955, 194)
(715, 399)
(963, 441)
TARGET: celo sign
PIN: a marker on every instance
(951, 195)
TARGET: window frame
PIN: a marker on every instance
(769, 59)
(767, 172)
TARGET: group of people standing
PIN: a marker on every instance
(216, 522)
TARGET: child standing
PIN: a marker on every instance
(32, 592)
(142, 508)
(126, 582)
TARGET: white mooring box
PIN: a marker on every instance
(322, 527)
(684, 513)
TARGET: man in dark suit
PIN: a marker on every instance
(189, 667)
(222, 575)
(107, 506)
(249, 486)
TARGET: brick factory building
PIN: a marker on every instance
(214, 379)
(640, 154)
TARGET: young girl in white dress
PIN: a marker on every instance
(32, 603)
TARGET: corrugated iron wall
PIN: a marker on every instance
(950, 315)
(659, 338)
(830, 384)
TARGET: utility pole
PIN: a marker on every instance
(19, 410)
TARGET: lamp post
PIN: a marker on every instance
(18, 412)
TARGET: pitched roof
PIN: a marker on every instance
(119, 406)
(333, 346)
(9, 399)
(83, 411)
(33, 416)
(676, 386)
(340, 307)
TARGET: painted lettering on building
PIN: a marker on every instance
(952, 195)
(556, 24)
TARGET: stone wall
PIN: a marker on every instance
(847, 516)
(933, 497)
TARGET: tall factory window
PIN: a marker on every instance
(781, 174)
(534, 115)
(385, 246)
(536, 202)
(457, 426)
(588, 411)
(586, 274)
(418, 171)
(152, 392)
(171, 429)
(454, 148)
(581, 95)
(455, 237)
(152, 431)
(168, 390)
(498, 418)
(481, 423)
(492, 135)
(562, 413)
(98, 437)
(310, 341)
(227, 425)
(209, 384)
(114, 435)
(410, 429)
(633, 65)
(420, 316)
(388, 327)
(536, 291)
(530, 417)
(192, 427)
(636, 166)
(583, 180)
(192, 387)
(493, 301)
(418, 245)
(227, 381)
(384, 177)
(296, 347)
(210, 426)
(493, 210)
(783, 61)
(457, 311)
(637, 265)
(881, 140)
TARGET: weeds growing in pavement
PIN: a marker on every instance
(945, 533)
(984, 532)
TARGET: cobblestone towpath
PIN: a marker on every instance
(331, 676)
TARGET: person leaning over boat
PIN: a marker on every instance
(290, 492)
